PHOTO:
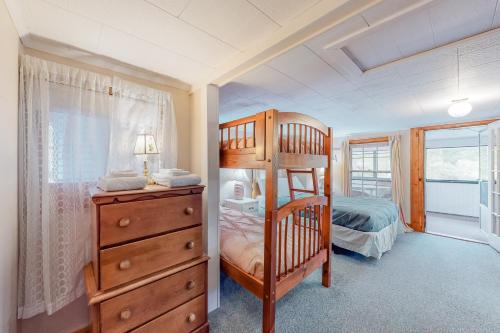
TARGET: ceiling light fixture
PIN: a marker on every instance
(459, 107)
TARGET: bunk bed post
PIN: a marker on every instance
(327, 244)
(271, 162)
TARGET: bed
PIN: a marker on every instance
(368, 226)
(271, 254)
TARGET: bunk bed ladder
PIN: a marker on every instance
(312, 171)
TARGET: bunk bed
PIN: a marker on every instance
(294, 239)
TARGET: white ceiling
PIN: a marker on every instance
(183, 39)
(380, 78)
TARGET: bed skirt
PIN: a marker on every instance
(369, 244)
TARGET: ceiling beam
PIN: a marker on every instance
(313, 22)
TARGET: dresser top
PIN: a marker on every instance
(98, 195)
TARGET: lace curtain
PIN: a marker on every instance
(71, 132)
(346, 168)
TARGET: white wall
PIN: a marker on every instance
(205, 162)
(405, 160)
(452, 198)
(8, 169)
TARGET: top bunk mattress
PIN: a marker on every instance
(364, 214)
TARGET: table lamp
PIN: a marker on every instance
(240, 176)
(145, 145)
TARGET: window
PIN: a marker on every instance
(71, 134)
(371, 170)
(454, 163)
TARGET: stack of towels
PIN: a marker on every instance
(122, 180)
(176, 178)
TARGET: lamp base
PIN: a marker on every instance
(146, 174)
(239, 190)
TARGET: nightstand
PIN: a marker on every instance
(247, 205)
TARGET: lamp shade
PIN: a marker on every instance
(145, 144)
(459, 108)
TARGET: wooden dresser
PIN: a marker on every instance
(148, 270)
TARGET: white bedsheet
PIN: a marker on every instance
(369, 244)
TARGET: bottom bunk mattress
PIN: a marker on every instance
(368, 226)
(242, 241)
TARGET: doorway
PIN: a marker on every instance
(455, 166)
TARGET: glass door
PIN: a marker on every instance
(494, 185)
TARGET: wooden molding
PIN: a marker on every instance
(368, 140)
(417, 165)
(466, 124)
(417, 139)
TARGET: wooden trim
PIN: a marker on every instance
(368, 140)
(417, 167)
(466, 124)
(417, 192)
(244, 279)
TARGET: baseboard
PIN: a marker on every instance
(85, 329)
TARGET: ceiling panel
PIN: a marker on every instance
(229, 21)
(174, 7)
(306, 67)
(414, 91)
(53, 22)
(282, 10)
(130, 17)
(384, 9)
(455, 19)
(126, 48)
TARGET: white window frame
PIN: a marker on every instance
(375, 170)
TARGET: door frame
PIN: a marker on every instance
(417, 167)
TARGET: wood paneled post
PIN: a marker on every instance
(327, 244)
(417, 137)
(272, 159)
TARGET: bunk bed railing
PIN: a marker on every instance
(243, 136)
(301, 134)
(299, 234)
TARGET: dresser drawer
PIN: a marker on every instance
(183, 319)
(141, 305)
(126, 221)
(127, 262)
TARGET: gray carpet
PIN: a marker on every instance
(425, 284)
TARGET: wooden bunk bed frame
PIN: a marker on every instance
(273, 140)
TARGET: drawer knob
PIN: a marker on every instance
(189, 211)
(191, 318)
(125, 314)
(125, 264)
(123, 222)
(190, 245)
(191, 284)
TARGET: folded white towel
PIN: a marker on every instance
(110, 184)
(123, 173)
(179, 181)
(173, 172)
